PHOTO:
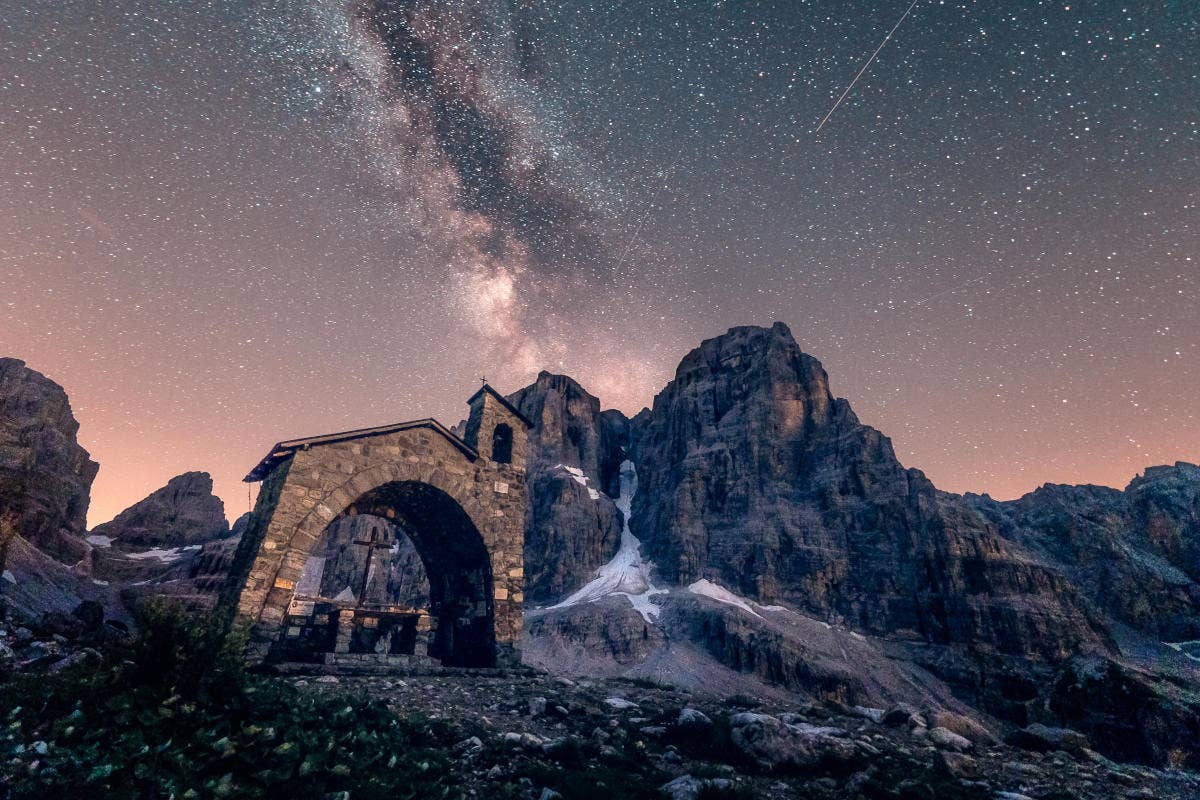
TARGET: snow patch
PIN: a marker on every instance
(164, 553)
(722, 595)
(99, 540)
(577, 474)
(620, 703)
(8, 576)
(627, 574)
(1189, 649)
(99, 582)
(719, 593)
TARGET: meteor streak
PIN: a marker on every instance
(864, 66)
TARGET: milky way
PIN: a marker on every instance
(226, 224)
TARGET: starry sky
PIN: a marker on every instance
(223, 224)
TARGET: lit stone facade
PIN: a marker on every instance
(463, 510)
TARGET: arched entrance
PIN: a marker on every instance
(402, 572)
(462, 510)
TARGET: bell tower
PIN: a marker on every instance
(496, 429)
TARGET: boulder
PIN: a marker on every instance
(948, 739)
(865, 712)
(687, 787)
(902, 714)
(1044, 738)
(691, 718)
(962, 725)
(771, 743)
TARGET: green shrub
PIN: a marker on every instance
(180, 718)
(184, 652)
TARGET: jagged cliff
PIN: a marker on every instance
(184, 512)
(574, 454)
(175, 542)
(45, 476)
(1133, 553)
(789, 546)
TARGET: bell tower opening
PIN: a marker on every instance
(502, 444)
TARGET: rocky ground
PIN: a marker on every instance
(533, 735)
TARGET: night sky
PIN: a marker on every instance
(227, 223)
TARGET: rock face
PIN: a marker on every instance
(569, 428)
(574, 457)
(753, 474)
(184, 512)
(1135, 554)
(45, 476)
(714, 646)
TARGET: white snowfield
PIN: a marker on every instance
(627, 574)
(164, 554)
(1185, 648)
(582, 480)
(99, 540)
(719, 593)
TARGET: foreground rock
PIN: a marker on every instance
(45, 476)
(537, 731)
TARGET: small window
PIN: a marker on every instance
(502, 444)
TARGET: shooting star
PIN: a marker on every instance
(864, 66)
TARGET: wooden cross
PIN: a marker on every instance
(372, 545)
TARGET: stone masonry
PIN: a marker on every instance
(463, 510)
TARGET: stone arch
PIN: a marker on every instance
(466, 510)
(461, 594)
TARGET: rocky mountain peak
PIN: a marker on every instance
(184, 512)
(753, 476)
(753, 376)
(570, 429)
(45, 475)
